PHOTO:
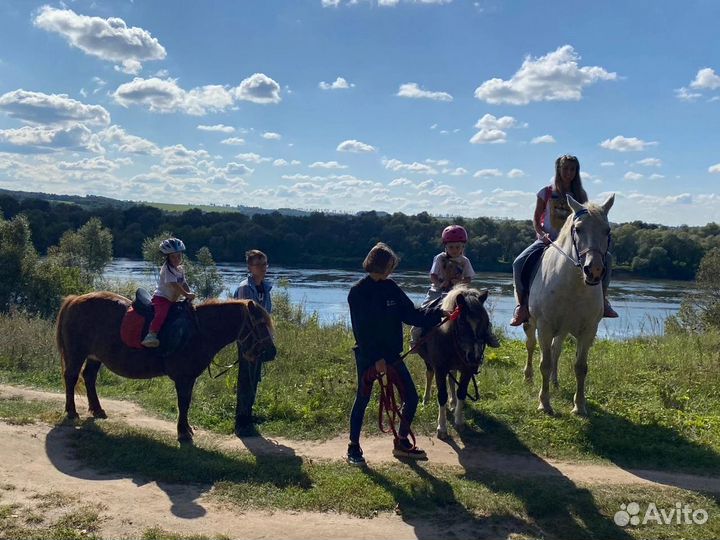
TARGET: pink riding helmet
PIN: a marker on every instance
(454, 233)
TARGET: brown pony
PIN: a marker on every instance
(88, 333)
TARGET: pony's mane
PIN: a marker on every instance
(244, 303)
(472, 296)
(593, 209)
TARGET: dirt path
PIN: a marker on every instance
(130, 508)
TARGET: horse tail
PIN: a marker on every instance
(60, 324)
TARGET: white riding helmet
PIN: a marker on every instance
(172, 245)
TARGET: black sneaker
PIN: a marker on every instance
(355, 455)
(403, 449)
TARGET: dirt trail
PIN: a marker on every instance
(131, 507)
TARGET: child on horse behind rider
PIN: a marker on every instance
(378, 309)
(171, 286)
(551, 212)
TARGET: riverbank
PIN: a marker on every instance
(653, 401)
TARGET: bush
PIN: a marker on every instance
(700, 310)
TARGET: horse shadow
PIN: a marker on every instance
(84, 450)
(555, 505)
(651, 451)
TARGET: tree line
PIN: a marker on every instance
(341, 241)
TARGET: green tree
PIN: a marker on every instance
(203, 276)
(700, 310)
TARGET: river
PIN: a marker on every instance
(643, 305)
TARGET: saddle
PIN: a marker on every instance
(179, 328)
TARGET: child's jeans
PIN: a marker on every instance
(162, 306)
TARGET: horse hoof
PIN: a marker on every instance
(185, 439)
(442, 435)
(579, 411)
(99, 414)
(547, 409)
(72, 416)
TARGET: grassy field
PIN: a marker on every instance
(653, 402)
(489, 502)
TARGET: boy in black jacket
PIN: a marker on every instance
(378, 307)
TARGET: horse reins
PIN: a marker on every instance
(578, 262)
(240, 342)
(453, 316)
(388, 401)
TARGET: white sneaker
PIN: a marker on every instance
(151, 341)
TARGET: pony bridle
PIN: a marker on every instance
(252, 332)
(462, 354)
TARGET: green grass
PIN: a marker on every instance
(653, 402)
(422, 494)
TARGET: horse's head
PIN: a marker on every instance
(256, 335)
(472, 329)
(590, 232)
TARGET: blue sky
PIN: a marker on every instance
(446, 106)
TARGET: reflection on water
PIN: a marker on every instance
(642, 305)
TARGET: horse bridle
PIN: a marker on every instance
(252, 331)
(580, 255)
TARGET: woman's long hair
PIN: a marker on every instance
(576, 187)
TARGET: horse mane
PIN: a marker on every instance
(472, 297)
(218, 302)
(593, 209)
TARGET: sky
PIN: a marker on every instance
(452, 107)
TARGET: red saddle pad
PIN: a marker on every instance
(131, 329)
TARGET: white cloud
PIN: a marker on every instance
(51, 109)
(234, 141)
(626, 144)
(108, 39)
(706, 79)
(396, 182)
(271, 136)
(412, 90)
(165, 96)
(36, 139)
(487, 173)
(217, 127)
(327, 165)
(516, 173)
(630, 175)
(458, 171)
(339, 84)
(98, 163)
(414, 167)
(492, 129)
(543, 139)
(656, 176)
(553, 77)
(258, 88)
(237, 169)
(384, 3)
(714, 169)
(280, 163)
(357, 147)
(607, 164)
(485, 136)
(683, 94)
(130, 144)
(253, 157)
(650, 162)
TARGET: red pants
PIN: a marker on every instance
(162, 306)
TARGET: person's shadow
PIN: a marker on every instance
(185, 473)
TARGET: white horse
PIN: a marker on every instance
(566, 296)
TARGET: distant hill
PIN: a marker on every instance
(90, 202)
